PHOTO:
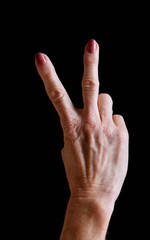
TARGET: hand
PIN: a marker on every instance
(95, 152)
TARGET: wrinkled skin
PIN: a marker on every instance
(95, 152)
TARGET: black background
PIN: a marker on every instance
(35, 184)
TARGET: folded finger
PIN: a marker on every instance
(105, 106)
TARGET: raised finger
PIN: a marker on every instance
(54, 87)
(90, 82)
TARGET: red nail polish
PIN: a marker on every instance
(91, 46)
(40, 58)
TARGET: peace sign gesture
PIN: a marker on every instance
(91, 135)
(57, 92)
(93, 127)
(95, 152)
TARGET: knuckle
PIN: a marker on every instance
(122, 135)
(55, 94)
(49, 74)
(90, 85)
(90, 60)
(107, 130)
(71, 128)
(122, 131)
(107, 134)
(114, 135)
(90, 123)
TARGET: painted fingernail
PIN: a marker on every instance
(91, 46)
(40, 58)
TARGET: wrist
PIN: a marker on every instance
(95, 207)
(104, 200)
(86, 218)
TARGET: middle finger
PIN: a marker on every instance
(90, 82)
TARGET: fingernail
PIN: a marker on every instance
(40, 58)
(91, 46)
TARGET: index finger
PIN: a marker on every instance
(54, 88)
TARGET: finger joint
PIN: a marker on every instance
(55, 94)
